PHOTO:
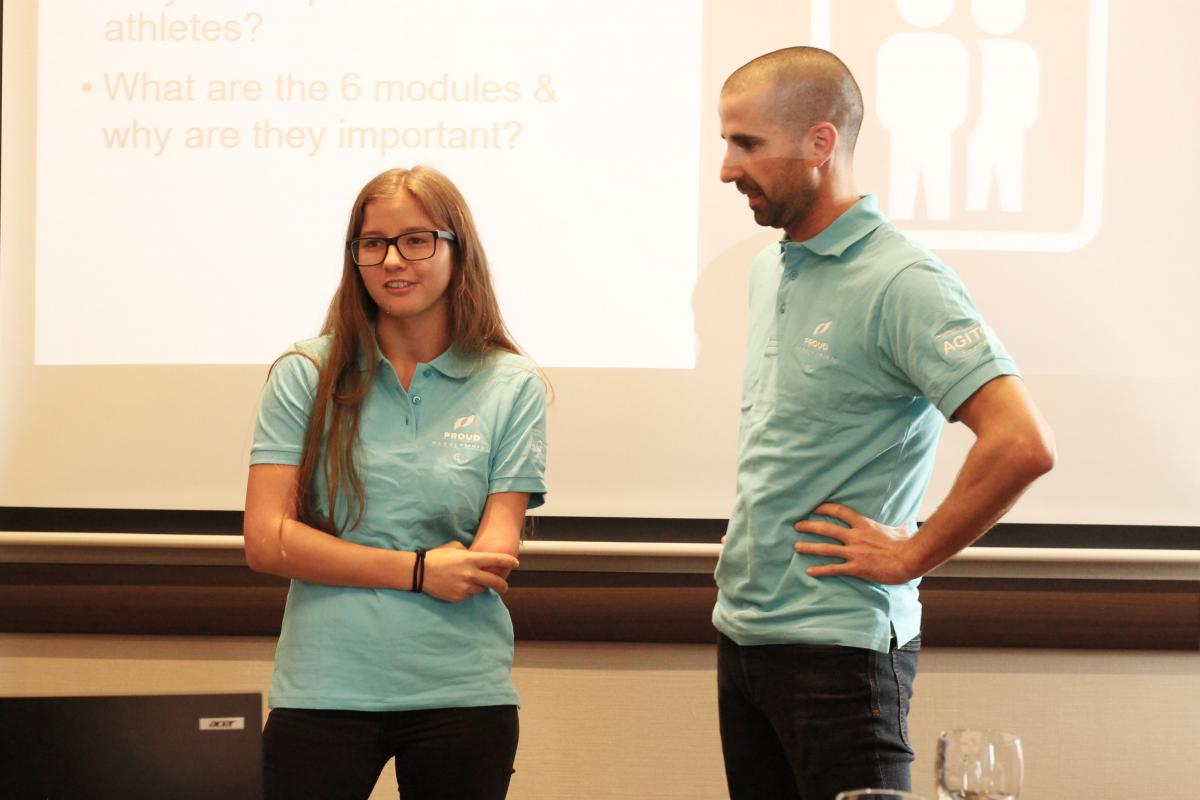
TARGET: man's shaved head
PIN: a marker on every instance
(812, 86)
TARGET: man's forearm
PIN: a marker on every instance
(997, 471)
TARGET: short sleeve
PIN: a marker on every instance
(283, 411)
(931, 332)
(519, 459)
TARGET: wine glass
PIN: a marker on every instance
(877, 794)
(978, 765)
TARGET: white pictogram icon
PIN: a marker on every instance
(921, 98)
(966, 92)
(1010, 74)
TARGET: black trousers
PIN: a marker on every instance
(441, 754)
(804, 722)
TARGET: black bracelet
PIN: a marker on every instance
(418, 575)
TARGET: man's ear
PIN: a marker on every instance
(822, 143)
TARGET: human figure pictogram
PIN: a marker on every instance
(1010, 78)
(922, 87)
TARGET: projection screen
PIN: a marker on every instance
(177, 175)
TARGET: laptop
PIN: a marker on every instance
(165, 747)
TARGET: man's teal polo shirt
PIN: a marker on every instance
(428, 457)
(858, 339)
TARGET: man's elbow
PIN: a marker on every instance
(1035, 454)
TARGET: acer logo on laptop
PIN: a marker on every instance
(222, 723)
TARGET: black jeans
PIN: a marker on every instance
(808, 721)
(441, 754)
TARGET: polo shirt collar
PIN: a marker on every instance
(854, 223)
(451, 363)
(454, 364)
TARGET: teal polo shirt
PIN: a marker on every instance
(429, 457)
(860, 342)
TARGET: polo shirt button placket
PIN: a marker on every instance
(414, 402)
(789, 275)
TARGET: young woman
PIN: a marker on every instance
(393, 462)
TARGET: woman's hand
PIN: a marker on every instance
(453, 573)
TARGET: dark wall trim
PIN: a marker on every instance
(599, 606)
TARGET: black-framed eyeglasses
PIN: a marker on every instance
(371, 251)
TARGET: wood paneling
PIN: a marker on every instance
(619, 607)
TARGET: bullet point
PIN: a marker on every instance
(87, 87)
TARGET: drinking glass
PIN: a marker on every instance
(878, 794)
(978, 765)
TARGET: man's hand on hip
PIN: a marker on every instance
(870, 550)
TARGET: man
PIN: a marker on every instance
(859, 342)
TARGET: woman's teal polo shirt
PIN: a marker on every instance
(429, 457)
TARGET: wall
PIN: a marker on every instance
(639, 721)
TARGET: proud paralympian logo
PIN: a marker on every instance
(463, 436)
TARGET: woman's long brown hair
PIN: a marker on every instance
(476, 329)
